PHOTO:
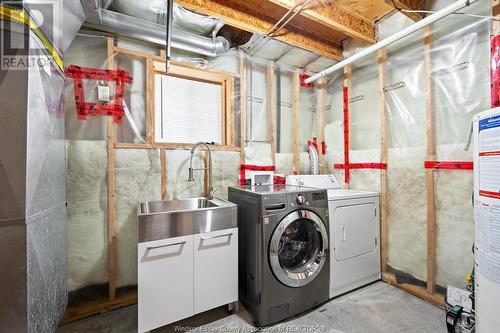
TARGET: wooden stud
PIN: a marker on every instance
(347, 83)
(320, 86)
(163, 161)
(384, 188)
(243, 108)
(193, 73)
(420, 292)
(271, 107)
(124, 145)
(150, 103)
(296, 121)
(431, 156)
(230, 132)
(80, 311)
(205, 173)
(111, 193)
(171, 146)
(495, 9)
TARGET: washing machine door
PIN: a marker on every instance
(298, 248)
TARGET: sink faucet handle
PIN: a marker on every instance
(191, 176)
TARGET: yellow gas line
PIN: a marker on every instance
(22, 16)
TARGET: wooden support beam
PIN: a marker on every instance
(228, 92)
(420, 292)
(150, 117)
(111, 192)
(243, 108)
(205, 173)
(163, 162)
(124, 145)
(260, 16)
(296, 121)
(320, 86)
(332, 17)
(431, 156)
(384, 188)
(347, 84)
(96, 307)
(271, 107)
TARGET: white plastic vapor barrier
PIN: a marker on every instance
(394, 37)
(460, 88)
(137, 171)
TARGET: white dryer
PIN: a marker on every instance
(354, 232)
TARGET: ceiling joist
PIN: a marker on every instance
(331, 16)
(320, 27)
(403, 5)
(254, 17)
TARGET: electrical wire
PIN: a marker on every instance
(263, 40)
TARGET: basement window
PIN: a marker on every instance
(188, 110)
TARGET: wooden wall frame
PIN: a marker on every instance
(153, 63)
(195, 74)
(429, 173)
(112, 246)
(428, 293)
(271, 107)
(384, 189)
(296, 121)
(243, 108)
(320, 89)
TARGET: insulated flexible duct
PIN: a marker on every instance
(129, 26)
(314, 160)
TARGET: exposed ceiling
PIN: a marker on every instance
(320, 27)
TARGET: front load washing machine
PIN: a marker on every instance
(283, 250)
(354, 233)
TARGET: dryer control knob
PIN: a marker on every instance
(301, 200)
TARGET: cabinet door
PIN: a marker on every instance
(215, 269)
(165, 281)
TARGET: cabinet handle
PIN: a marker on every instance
(160, 246)
(218, 236)
(343, 233)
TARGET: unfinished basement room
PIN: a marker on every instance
(241, 166)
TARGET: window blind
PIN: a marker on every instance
(187, 111)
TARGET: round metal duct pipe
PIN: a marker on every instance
(136, 28)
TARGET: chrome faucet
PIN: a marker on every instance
(191, 177)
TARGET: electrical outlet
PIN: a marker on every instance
(103, 93)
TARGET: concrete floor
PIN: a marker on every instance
(377, 308)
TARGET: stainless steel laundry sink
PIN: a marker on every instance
(173, 218)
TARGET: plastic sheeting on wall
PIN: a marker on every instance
(459, 74)
(137, 171)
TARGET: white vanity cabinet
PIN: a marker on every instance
(165, 281)
(215, 269)
(182, 276)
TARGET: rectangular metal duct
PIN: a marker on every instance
(64, 19)
(33, 251)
